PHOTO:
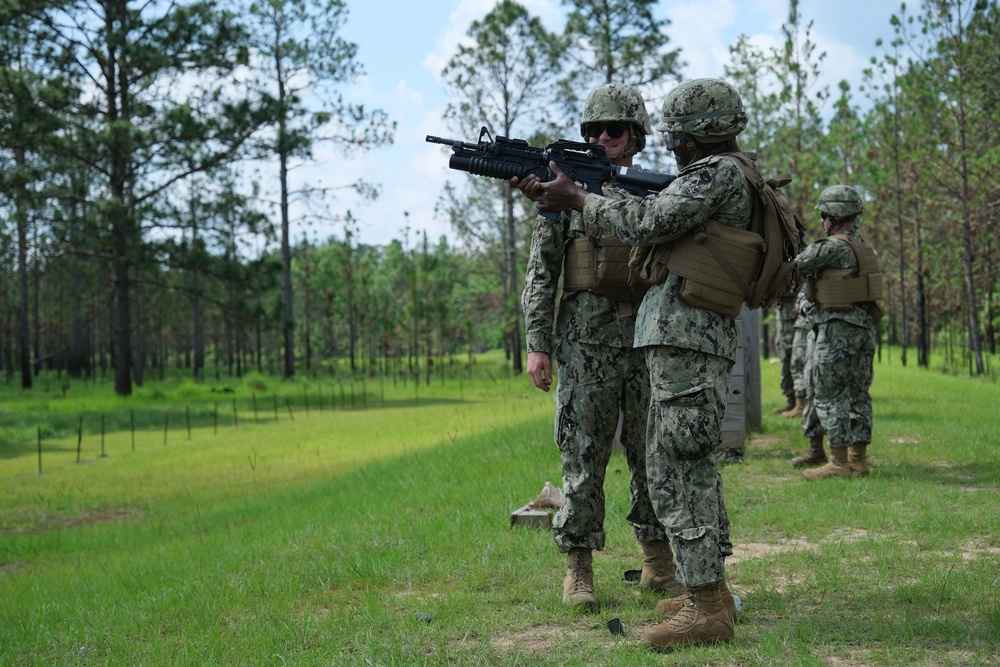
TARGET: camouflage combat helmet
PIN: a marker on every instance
(706, 109)
(840, 201)
(617, 102)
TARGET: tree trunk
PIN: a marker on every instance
(22, 278)
(138, 349)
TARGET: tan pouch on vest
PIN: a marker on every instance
(718, 264)
(603, 268)
(837, 290)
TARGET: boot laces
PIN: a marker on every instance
(686, 617)
(578, 575)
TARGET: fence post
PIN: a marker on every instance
(39, 450)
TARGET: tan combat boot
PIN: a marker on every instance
(857, 459)
(789, 404)
(814, 456)
(578, 586)
(796, 410)
(671, 606)
(659, 572)
(837, 467)
(703, 619)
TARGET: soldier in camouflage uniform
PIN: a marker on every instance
(600, 374)
(690, 350)
(842, 360)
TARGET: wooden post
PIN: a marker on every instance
(79, 438)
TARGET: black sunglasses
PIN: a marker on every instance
(614, 129)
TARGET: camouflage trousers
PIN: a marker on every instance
(688, 404)
(841, 376)
(596, 384)
(785, 341)
(797, 362)
(811, 426)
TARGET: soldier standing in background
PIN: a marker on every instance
(845, 282)
(600, 374)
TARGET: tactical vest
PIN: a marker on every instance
(838, 289)
(598, 262)
(723, 267)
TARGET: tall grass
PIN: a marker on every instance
(381, 536)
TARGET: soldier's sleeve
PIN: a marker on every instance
(690, 200)
(802, 301)
(541, 284)
(814, 257)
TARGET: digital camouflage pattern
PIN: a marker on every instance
(595, 383)
(840, 201)
(615, 102)
(712, 188)
(708, 109)
(811, 425)
(690, 352)
(784, 340)
(833, 253)
(841, 363)
(689, 394)
(842, 373)
(800, 342)
(599, 374)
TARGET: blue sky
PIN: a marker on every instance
(403, 45)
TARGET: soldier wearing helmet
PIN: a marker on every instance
(690, 350)
(601, 375)
(611, 109)
(844, 281)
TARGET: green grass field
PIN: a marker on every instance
(379, 534)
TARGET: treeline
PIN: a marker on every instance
(137, 143)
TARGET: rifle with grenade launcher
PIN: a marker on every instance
(585, 163)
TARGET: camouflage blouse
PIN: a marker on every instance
(711, 188)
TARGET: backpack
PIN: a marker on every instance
(723, 267)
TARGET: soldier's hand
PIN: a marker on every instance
(559, 194)
(528, 185)
(540, 370)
